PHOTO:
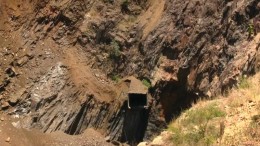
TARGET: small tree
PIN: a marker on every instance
(146, 83)
(124, 6)
(250, 30)
(115, 53)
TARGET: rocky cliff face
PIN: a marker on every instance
(194, 43)
(186, 49)
(207, 44)
(53, 104)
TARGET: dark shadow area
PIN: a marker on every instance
(137, 100)
(135, 125)
(252, 10)
(76, 125)
(2, 87)
(174, 98)
(170, 52)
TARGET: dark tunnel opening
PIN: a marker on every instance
(173, 99)
(137, 100)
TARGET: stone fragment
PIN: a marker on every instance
(158, 141)
(107, 139)
(8, 139)
(116, 143)
(142, 144)
(16, 124)
(30, 55)
(16, 97)
(13, 101)
(22, 61)
(4, 105)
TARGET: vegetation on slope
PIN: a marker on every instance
(195, 126)
(231, 120)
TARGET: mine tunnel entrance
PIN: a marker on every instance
(137, 114)
(136, 100)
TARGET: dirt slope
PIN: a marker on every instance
(58, 59)
(239, 125)
(10, 129)
(27, 63)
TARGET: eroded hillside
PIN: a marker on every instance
(59, 59)
(230, 120)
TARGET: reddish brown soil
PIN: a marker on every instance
(80, 75)
(22, 137)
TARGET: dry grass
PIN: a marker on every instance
(195, 127)
(232, 120)
(243, 105)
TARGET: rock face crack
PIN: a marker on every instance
(75, 126)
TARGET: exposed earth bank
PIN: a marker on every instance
(61, 60)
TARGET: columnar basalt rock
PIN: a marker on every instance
(187, 49)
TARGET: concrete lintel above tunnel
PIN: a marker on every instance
(137, 94)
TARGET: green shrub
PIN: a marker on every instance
(115, 53)
(146, 83)
(178, 136)
(125, 3)
(124, 6)
(115, 78)
(250, 29)
(203, 114)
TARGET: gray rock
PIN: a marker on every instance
(49, 86)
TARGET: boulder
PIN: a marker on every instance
(4, 105)
(143, 144)
(16, 97)
(8, 139)
(158, 141)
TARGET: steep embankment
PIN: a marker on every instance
(47, 78)
(57, 58)
(230, 120)
(12, 134)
